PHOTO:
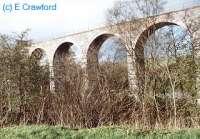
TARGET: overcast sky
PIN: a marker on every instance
(72, 16)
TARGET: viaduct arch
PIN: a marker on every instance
(139, 48)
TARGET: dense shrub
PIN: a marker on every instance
(25, 97)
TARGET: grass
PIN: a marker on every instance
(48, 132)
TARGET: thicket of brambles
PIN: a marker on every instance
(25, 96)
(169, 97)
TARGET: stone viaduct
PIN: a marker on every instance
(82, 43)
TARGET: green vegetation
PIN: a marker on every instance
(47, 132)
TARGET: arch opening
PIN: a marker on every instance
(40, 68)
(40, 56)
(163, 55)
(63, 57)
(107, 63)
